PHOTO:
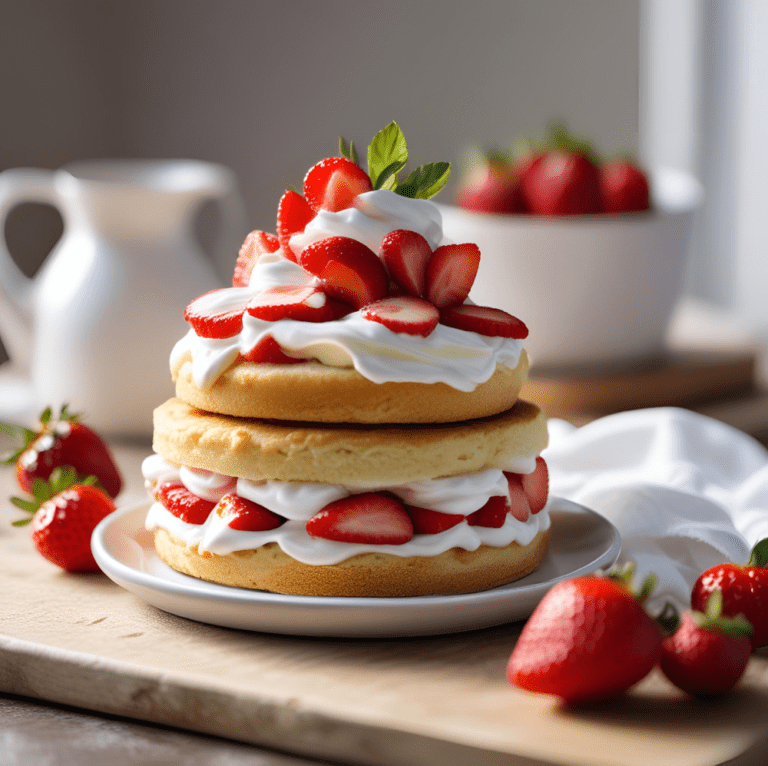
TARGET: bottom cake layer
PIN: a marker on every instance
(376, 575)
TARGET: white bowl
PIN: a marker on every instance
(593, 289)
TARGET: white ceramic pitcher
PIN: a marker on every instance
(95, 327)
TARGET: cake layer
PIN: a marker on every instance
(376, 575)
(344, 454)
(314, 392)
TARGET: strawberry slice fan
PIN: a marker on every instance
(346, 422)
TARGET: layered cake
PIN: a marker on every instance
(346, 420)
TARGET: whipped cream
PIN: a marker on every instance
(375, 214)
(462, 360)
(298, 502)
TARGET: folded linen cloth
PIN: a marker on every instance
(685, 491)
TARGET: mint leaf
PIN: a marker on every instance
(388, 177)
(425, 181)
(387, 155)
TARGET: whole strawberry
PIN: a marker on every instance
(563, 177)
(491, 187)
(744, 589)
(58, 442)
(64, 513)
(708, 652)
(588, 639)
(624, 187)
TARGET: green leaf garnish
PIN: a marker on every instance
(387, 155)
(388, 177)
(425, 181)
(759, 556)
(348, 151)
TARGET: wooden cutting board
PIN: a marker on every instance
(83, 641)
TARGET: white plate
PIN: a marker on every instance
(581, 542)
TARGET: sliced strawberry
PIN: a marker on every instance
(429, 522)
(520, 508)
(451, 272)
(268, 351)
(333, 183)
(177, 499)
(484, 320)
(536, 485)
(246, 515)
(404, 314)
(370, 518)
(256, 244)
(219, 313)
(350, 271)
(492, 514)
(293, 214)
(406, 255)
(304, 304)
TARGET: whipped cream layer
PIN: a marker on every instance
(298, 502)
(460, 359)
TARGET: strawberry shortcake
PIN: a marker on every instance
(346, 420)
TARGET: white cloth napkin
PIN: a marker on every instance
(685, 491)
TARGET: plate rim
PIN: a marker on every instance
(250, 597)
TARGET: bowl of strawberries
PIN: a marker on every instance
(592, 253)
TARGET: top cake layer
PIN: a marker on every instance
(359, 294)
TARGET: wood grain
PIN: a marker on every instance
(82, 641)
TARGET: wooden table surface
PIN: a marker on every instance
(84, 644)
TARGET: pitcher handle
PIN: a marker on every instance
(16, 186)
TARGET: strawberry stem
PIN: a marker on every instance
(61, 478)
(759, 555)
(625, 574)
(713, 618)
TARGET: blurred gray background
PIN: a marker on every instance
(267, 86)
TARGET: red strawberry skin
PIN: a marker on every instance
(588, 639)
(369, 518)
(704, 662)
(491, 189)
(208, 321)
(484, 320)
(293, 214)
(403, 314)
(520, 506)
(68, 443)
(256, 244)
(536, 485)
(429, 522)
(333, 183)
(350, 272)
(451, 272)
(624, 188)
(562, 183)
(177, 499)
(268, 351)
(745, 591)
(247, 516)
(493, 514)
(62, 527)
(406, 255)
(304, 304)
